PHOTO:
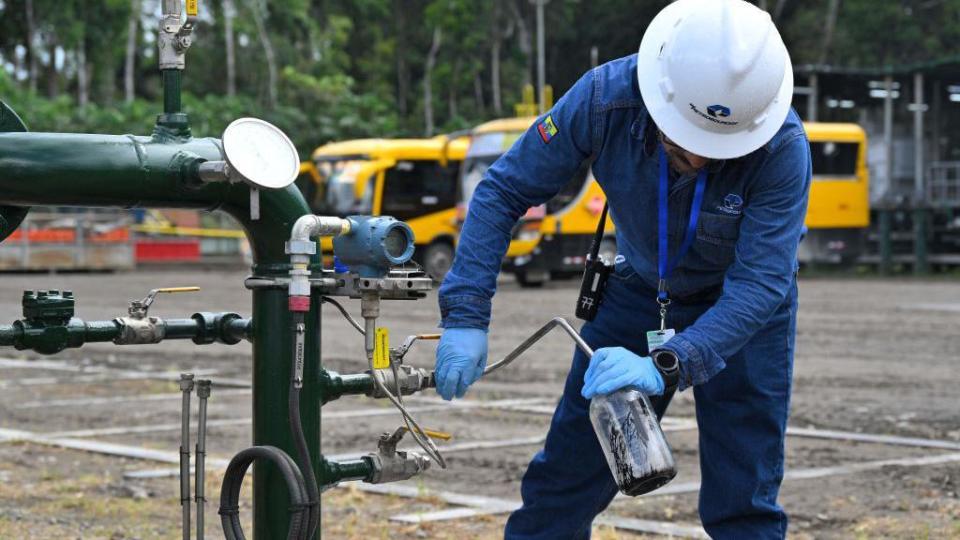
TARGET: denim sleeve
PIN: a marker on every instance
(763, 271)
(535, 169)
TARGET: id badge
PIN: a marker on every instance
(657, 338)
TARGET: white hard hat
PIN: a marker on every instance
(715, 76)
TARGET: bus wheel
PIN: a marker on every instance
(530, 281)
(437, 260)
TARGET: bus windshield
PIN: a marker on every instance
(484, 149)
(339, 179)
(473, 170)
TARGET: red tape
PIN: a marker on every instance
(299, 303)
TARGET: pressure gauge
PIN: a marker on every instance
(260, 154)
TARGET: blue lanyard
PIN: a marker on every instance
(663, 267)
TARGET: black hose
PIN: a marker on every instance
(300, 440)
(233, 480)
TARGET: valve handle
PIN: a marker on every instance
(138, 308)
(437, 435)
(177, 289)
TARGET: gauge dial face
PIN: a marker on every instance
(260, 153)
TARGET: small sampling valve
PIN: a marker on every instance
(139, 328)
(391, 465)
(176, 35)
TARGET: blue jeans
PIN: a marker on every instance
(741, 413)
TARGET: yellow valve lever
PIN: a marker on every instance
(429, 337)
(193, 8)
(178, 289)
(438, 435)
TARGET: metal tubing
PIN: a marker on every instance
(186, 386)
(813, 98)
(887, 137)
(920, 266)
(203, 392)
(557, 321)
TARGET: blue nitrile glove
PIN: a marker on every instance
(461, 358)
(613, 368)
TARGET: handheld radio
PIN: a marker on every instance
(595, 276)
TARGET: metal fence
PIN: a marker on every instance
(70, 239)
(943, 184)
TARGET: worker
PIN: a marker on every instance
(706, 169)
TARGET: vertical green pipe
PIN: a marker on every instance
(271, 385)
(920, 263)
(886, 247)
(172, 82)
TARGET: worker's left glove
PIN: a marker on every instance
(613, 368)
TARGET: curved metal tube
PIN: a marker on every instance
(537, 336)
(309, 226)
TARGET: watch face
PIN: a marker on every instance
(666, 360)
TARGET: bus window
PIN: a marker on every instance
(338, 197)
(834, 159)
(417, 188)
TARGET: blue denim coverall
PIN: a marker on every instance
(734, 300)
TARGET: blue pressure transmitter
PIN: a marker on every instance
(374, 245)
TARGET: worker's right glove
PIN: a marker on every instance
(461, 358)
(613, 368)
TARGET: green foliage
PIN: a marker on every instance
(357, 68)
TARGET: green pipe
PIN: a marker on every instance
(129, 171)
(8, 335)
(46, 338)
(332, 472)
(172, 83)
(334, 385)
(173, 122)
(10, 216)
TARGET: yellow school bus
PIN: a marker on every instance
(551, 240)
(839, 209)
(413, 180)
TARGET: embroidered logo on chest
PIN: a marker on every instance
(732, 204)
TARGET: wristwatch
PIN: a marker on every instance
(668, 364)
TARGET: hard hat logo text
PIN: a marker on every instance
(714, 114)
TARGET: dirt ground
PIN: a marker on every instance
(874, 357)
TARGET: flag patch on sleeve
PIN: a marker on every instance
(547, 129)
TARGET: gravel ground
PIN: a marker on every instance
(873, 356)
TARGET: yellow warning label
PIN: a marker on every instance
(381, 349)
(193, 8)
